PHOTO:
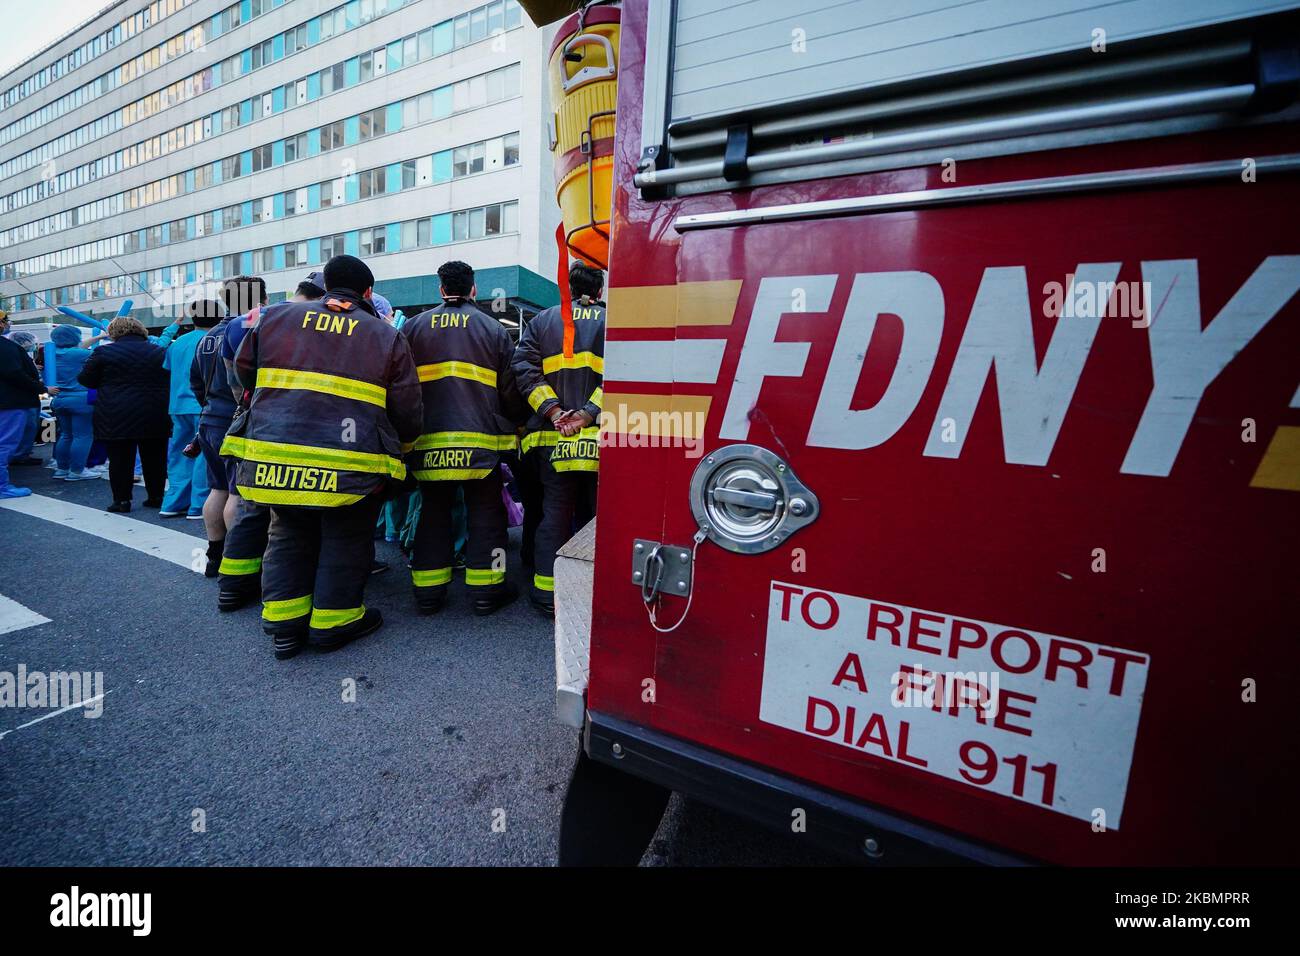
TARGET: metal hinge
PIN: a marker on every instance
(661, 568)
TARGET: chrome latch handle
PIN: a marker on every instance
(748, 500)
(759, 501)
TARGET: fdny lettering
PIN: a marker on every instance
(997, 351)
(447, 458)
(584, 312)
(296, 477)
(324, 322)
(583, 448)
(449, 320)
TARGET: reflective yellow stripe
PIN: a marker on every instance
(543, 583)
(465, 440)
(276, 496)
(451, 474)
(233, 446)
(429, 579)
(240, 565)
(283, 453)
(597, 397)
(320, 382)
(543, 439)
(323, 618)
(576, 464)
(475, 373)
(541, 394)
(286, 610)
(553, 363)
(479, 577)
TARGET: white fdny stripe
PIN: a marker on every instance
(695, 361)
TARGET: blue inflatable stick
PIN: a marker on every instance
(51, 378)
(98, 325)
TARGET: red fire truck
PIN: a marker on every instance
(950, 469)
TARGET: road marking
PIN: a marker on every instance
(173, 546)
(15, 617)
(55, 713)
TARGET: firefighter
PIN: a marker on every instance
(561, 441)
(240, 572)
(470, 407)
(335, 398)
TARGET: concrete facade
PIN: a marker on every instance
(443, 100)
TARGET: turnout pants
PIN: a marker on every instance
(244, 550)
(485, 552)
(568, 502)
(316, 566)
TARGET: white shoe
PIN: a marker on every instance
(60, 473)
(52, 464)
(79, 476)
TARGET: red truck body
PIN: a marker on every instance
(1078, 522)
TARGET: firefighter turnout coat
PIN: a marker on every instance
(548, 378)
(335, 397)
(462, 356)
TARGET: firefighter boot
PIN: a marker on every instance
(497, 598)
(333, 638)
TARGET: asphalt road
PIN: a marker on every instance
(452, 726)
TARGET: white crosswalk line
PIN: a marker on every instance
(15, 617)
(173, 546)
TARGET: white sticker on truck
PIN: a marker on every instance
(1035, 717)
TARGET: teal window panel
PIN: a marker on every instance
(352, 243)
(143, 242)
(277, 206)
(167, 232)
(313, 87)
(246, 163)
(394, 243)
(277, 47)
(278, 257)
(189, 272)
(189, 227)
(216, 26)
(442, 166)
(216, 74)
(216, 268)
(313, 143)
(395, 56)
(354, 14)
(443, 38)
(351, 189)
(246, 62)
(442, 101)
(393, 122)
(189, 180)
(245, 10)
(313, 31)
(246, 263)
(246, 215)
(313, 197)
(393, 178)
(216, 223)
(351, 130)
(277, 100)
(246, 111)
(442, 229)
(277, 153)
(352, 72)
(216, 124)
(313, 250)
